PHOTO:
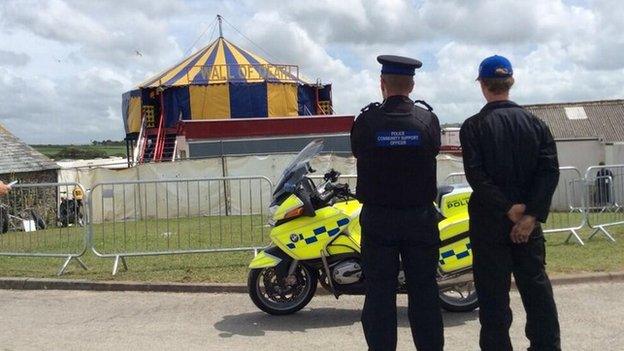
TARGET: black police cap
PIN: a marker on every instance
(400, 65)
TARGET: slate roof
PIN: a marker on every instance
(17, 157)
(604, 119)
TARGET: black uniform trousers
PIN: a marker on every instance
(412, 234)
(495, 258)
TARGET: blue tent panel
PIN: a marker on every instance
(325, 93)
(125, 103)
(149, 98)
(248, 100)
(177, 105)
(306, 96)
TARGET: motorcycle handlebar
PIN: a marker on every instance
(338, 190)
(332, 176)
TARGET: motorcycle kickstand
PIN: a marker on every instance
(329, 280)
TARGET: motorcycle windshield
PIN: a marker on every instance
(298, 168)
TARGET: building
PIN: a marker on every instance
(450, 141)
(18, 161)
(221, 81)
(261, 136)
(586, 132)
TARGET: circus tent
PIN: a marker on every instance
(222, 81)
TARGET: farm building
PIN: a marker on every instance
(586, 132)
(18, 161)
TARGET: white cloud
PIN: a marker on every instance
(10, 58)
(554, 46)
(70, 60)
(40, 110)
(112, 38)
(353, 21)
(293, 44)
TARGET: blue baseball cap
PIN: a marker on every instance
(495, 67)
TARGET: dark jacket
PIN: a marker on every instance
(510, 157)
(396, 144)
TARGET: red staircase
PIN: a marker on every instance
(157, 144)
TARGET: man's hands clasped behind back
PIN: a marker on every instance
(516, 212)
(524, 224)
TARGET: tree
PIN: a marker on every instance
(76, 153)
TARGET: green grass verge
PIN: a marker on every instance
(598, 255)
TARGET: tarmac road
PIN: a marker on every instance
(591, 319)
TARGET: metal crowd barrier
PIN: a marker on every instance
(186, 216)
(605, 194)
(178, 216)
(567, 212)
(44, 220)
(567, 208)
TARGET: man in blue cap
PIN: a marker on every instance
(510, 159)
(396, 144)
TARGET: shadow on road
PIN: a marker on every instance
(258, 323)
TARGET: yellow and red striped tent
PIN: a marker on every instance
(223, 81)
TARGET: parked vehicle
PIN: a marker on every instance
(315, 237)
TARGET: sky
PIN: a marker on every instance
(64, 64)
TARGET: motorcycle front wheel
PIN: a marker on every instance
(274, 298)
(460, 298)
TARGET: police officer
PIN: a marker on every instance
(396, 144)
(510, 160)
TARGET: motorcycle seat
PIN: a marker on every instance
(443, 190)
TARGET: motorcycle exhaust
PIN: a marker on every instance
(447, 283)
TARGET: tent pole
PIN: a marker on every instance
(220, 29)
(318, 106)
(128, 152)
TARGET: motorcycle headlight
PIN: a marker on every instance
(272, 211)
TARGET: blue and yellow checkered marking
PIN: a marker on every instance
(343, 222)
(459, 255)
(318, 232)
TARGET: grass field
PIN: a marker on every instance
(598, 255)
(53, 150)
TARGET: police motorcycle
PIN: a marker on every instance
(315, 238)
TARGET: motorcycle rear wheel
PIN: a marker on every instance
(461, 298)
(269, 296)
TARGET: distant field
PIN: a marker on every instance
(52, 150)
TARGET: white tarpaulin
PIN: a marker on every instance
(164, 191)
